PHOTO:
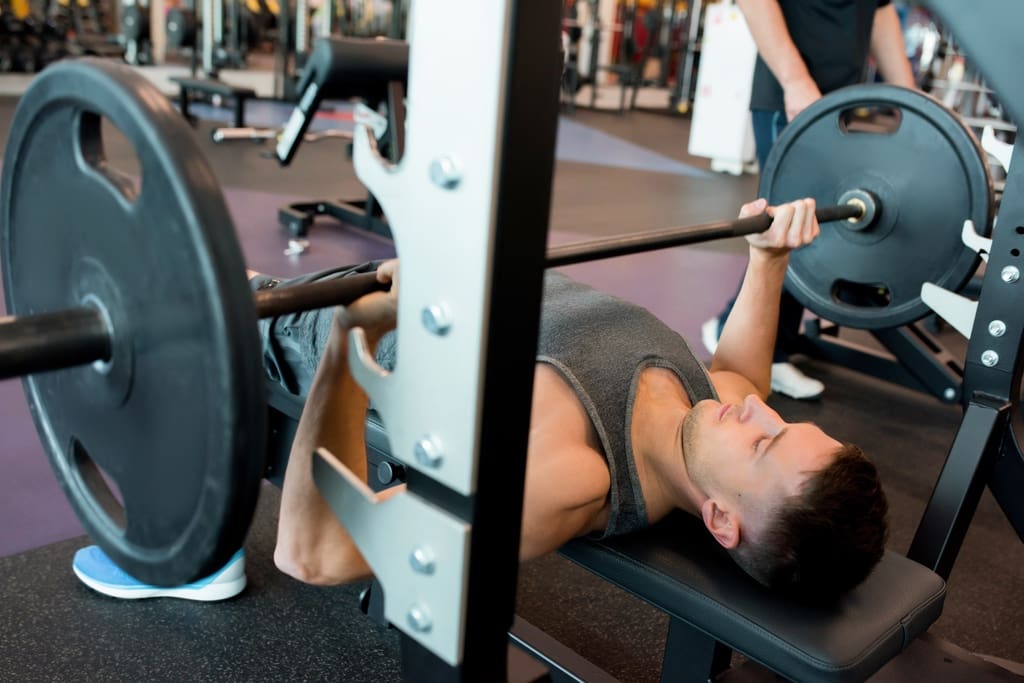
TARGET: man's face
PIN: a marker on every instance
(747, 455)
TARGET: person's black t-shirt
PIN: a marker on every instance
(832, 36)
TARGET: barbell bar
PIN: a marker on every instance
(636, 243)
(79, 336)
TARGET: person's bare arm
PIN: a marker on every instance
(312, 544)
(775, 45)
(747, 343)
(889, 50)
(562, 498)
(567, 478)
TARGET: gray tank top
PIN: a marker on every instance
(600, 344)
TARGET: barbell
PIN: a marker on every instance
(79, 336)
(154, 423)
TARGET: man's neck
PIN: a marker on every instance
(658, 442)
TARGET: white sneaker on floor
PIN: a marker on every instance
(709, 335)
(96, 570)
(789, 381)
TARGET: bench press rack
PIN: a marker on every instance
(987, 449)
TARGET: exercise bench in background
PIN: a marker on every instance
(373, 71)
(212, 87)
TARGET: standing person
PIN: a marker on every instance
(807, 48)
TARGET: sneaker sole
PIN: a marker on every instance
(209, 593)
(709, 337)
(799, 397)
(796, 395)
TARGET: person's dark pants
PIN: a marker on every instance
(768, 126)
(293, 343)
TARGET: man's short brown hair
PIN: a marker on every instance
(826, 539)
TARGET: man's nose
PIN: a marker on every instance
(755, 409)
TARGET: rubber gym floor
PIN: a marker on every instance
(614, 174)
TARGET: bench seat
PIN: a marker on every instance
(677, 567)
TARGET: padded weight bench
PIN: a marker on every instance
(238, 96)
(713, 606)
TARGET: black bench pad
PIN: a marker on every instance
(677, 567)
(345, 68)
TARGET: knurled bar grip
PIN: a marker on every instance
(276, 301)
(675, 237)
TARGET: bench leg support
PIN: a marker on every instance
(691, 655)
(240, 112)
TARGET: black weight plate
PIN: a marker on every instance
(176, 417)
(181, 27)
(929, 175)
(135, 22)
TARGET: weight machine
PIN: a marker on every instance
(214, 35)
(134, 33)
(582, 81)
(337, 69)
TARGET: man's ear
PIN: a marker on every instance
(722, 522)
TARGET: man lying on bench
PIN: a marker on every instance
(626, 426)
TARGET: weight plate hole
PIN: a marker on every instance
(1015, 252)
(123, 172)
(100, 485)
(861, 294)
(1020, 229)
(878, 119)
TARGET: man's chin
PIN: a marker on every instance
(691, 432)
(697, 414)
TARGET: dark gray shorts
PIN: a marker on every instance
(292, 344)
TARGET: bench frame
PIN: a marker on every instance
(238, 96)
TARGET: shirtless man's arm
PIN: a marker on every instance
(745, 348)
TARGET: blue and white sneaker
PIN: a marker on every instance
(709, 333)
(97, 571)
